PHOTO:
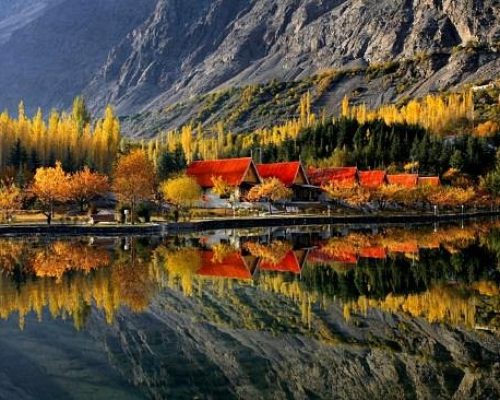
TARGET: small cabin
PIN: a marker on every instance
(408, 181)
(105, 216)
(432, 181)
(373, 179)
(292, 175)
(239, 173)
(344, 177)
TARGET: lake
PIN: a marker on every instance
(284, 313)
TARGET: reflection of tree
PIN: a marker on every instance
(60, 257)
(456, 305)
(182, 265)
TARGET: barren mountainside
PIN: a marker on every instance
(148, 54)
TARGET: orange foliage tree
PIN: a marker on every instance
(354, 196)
(50, 185)
(134, 179)
(10, 198)
(271, 189)
(86, 186)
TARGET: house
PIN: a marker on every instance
(289, 263)
(291, 174)
(432, 181)
(408, 181)
(239, 173)
(232, 266)
(372, 179)
(338, 176)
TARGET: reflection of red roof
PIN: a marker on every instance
(371, 179)
(232, 171)
(429, 181)
(233, 266)
(409, 246)
(286, 172)
(289, 263)
(341, 176)
(406, 180)
(319, 256)
(373, 252)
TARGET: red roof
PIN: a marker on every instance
(289, 263)
(406, 180)
(286, 172)
(232, 171)
(373, 252)
(429, 181)
(233, 266)
(341, 176)
(371, 179)
(320, 256)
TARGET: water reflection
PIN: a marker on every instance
(449, 275)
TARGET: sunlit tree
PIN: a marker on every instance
(85, 186)
(134, 179)
(50, 185)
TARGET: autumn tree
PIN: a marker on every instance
(386, 194)
(86, 186)
(272, 190)
(221, 187)
(134, 179)
(181, 191)
(448, 196)
(50, 185)
(10, 198)
(354, 196)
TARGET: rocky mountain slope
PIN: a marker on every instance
(142, 56)
(51, 49)
(184, 50)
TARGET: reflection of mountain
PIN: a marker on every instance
(269, 321)
(179, 348)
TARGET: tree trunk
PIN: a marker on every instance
(132, 208)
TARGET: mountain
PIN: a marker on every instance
(184, 50)
(143, 56)
(52, 48)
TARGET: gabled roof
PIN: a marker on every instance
(406, 180)
(233, 266)
(371, 179)
(429, 181)
(233, 171)
(286, 172)
(341, 176)
(289, 263)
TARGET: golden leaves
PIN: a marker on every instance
(181, 191)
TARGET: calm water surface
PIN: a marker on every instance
(318, 312)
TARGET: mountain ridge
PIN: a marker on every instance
(149, 55)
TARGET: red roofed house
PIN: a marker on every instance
(291, 174)
(371, 179)
(289, 263)
(408, 181)
(240, 173)
(429, 181)
(233, 266)
(341, 176)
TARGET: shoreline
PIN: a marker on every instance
(232, 223)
